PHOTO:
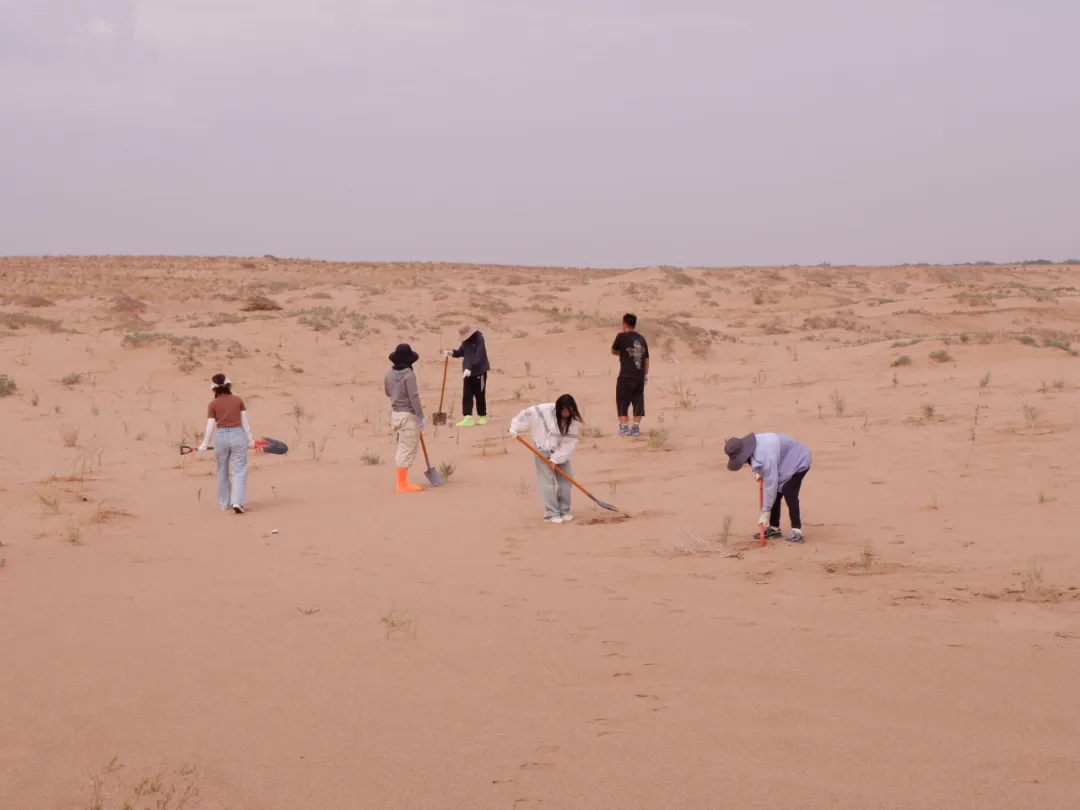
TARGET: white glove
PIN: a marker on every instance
(466, 373)
(421, 422)
(757, 476)
(763, 519)
(513, 433)
(201, 448)
(449, 353)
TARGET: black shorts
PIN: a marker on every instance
(629, 392)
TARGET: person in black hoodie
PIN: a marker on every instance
(474, 371)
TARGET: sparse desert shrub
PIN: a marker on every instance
(1028, 340)
(658, 438)
(370, 459)
(34, 302)
(19, 320)
(1064, 345)
(928, 412)
(7, 386)
(592, 433)
(447, 469)
(260, 303)
(69, 435)
(1033, 579)
(985, 381)
(106, 511)
(867, 556)
(124, 304)
(904, 360)
(74, 378)
(941, 356)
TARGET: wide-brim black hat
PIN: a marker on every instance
(403, 355)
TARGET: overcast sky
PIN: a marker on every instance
(583, 132)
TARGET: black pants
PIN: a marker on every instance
(474, 388)
(630, 392)
(790, 493)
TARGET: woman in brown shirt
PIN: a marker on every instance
(227, 413)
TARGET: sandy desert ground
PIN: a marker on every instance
(342, 646)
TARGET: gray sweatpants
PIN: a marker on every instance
(230, 451)
(554, 489)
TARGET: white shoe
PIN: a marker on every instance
(238, 508)
(567, 517)
(553, 520)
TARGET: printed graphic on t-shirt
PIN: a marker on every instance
(633, 351)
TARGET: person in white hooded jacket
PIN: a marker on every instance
(554, 430)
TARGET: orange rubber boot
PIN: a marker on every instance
(403, 484)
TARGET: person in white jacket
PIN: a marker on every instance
(554, 429)
(227, 414)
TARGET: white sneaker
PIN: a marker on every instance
(553, 520)
(238, 508)
(567, 517)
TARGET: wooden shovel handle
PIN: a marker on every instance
(442, 394)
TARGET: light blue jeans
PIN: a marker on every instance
(230, 451)
(554, 489)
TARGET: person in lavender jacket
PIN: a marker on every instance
(783, 464)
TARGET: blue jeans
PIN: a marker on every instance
(554, 489)
(230, 451)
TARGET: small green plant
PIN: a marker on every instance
(8, 387)
(903, 360)
(658, 438)
(928, 412)
(395, 622)
(1031, 416)
(370, 459)
(308, 611)
(839, 403)
(941, 356)
(1028, 340)
(1064, 345)
(74, 378)
(447, 469)
(985, 381)
(867, 556)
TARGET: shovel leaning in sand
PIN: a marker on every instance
(439, 417)
(433, 476)
(594, 499)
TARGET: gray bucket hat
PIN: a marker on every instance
(739, 451)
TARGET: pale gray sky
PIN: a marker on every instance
(585, 132)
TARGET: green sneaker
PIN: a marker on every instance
(466, 422)
(481, 420)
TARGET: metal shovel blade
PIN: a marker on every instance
(434, 477)
(438, 419)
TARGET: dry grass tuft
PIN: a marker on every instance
(7, 386)
(106, 511)
(396, 622)
(33, 302)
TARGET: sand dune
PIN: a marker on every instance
(341, 646)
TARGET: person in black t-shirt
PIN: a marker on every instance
(633, 353)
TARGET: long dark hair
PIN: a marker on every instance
(566, 402)
(220, 386)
